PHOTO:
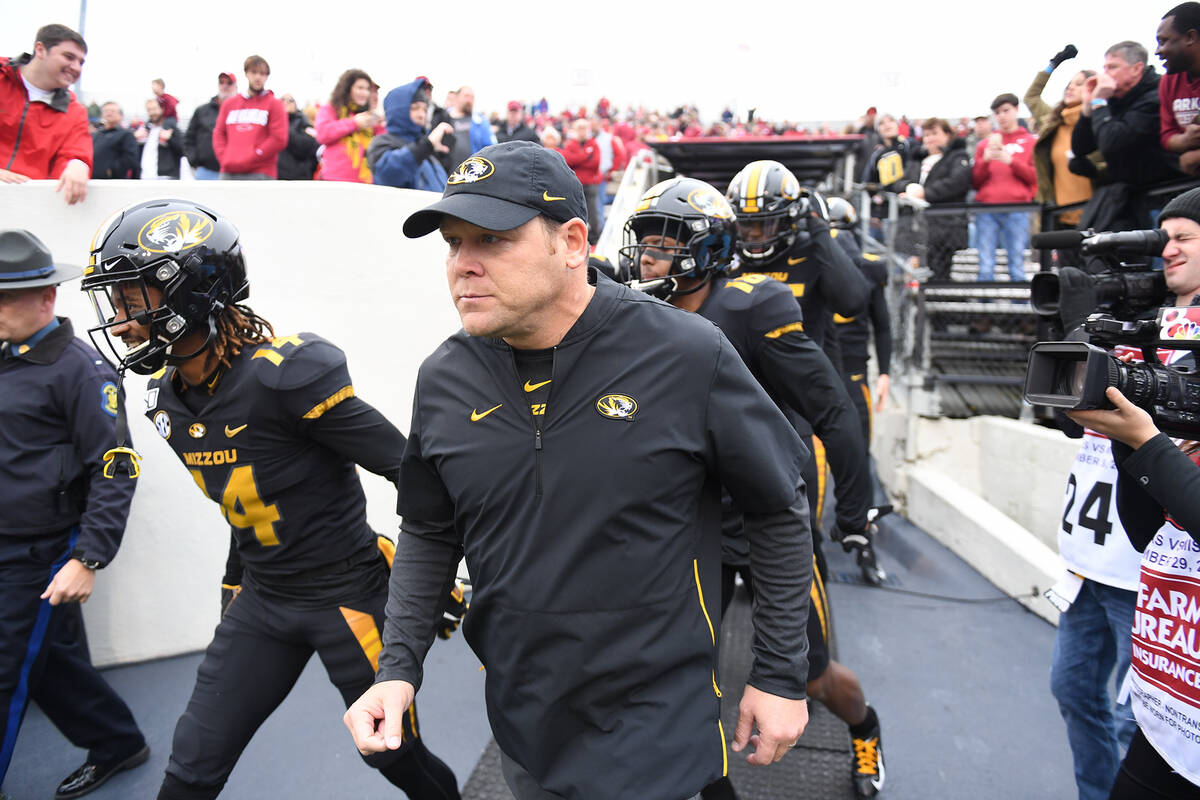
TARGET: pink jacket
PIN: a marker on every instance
(342, 159)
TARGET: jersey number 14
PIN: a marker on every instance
(242, 505)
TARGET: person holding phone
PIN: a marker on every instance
(346, 125)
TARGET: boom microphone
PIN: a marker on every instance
(1058, 240)
(1150, 243)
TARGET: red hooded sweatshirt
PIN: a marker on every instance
(998, 182)
(249, 134)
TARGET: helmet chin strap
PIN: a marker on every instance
(176, 360)
(662, 288)
(667, 287)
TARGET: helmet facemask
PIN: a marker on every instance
(763, 236)
(686, 243)
(167, 299)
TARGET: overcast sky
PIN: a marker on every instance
(794, 60)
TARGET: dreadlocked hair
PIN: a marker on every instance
(238, 327)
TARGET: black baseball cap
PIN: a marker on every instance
(502, 187)
(26, 263)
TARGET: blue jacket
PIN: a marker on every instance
(403, 157)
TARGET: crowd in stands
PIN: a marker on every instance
(1108, 136)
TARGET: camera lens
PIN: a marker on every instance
(1078, 374)
(1070, 378)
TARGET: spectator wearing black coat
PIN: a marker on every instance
(940, 172)
(197, 142)
(159, 149)
(884, 170)
(514, 129)
(297, 161)
(115, 151)
(1121, 120)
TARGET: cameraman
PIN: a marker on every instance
(1181, 256)
(1162, 473)
(1164, 757)
(1098, 594)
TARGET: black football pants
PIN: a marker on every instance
(257, 653)
(860, 395)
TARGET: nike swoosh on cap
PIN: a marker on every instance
(546, 196)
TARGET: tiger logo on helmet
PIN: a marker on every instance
(686, 222)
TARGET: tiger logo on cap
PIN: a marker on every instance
(473, 170)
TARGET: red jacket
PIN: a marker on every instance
(37, 140)
(998, 182)
(584, 159)
(249, 134)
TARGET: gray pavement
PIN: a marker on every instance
(961, 689)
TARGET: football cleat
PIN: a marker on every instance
(868, 763)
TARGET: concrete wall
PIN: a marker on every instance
(328, 258)
(989, 488)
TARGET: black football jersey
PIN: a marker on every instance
(853, 332)
(294, 504)
(752, 309)
(820, 289)
(761, 320)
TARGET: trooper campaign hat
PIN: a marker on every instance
(26, 263)
(502, 187)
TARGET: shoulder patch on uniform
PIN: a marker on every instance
(162, 423)
(108, 398)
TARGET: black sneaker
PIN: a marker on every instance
(92, 776)
(868, 762)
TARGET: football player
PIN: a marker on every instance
(782, 231)
(854, 332)
(679, 242)
(271, 430)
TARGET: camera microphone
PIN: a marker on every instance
(1150, 243)
(1058, 240)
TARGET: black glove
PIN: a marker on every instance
(229, 593)
(860, 542)
(850, 540)
(1076, 297)
(816, 225)
(1065, 54)
(453, 612)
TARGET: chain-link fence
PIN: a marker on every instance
(962, 340)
